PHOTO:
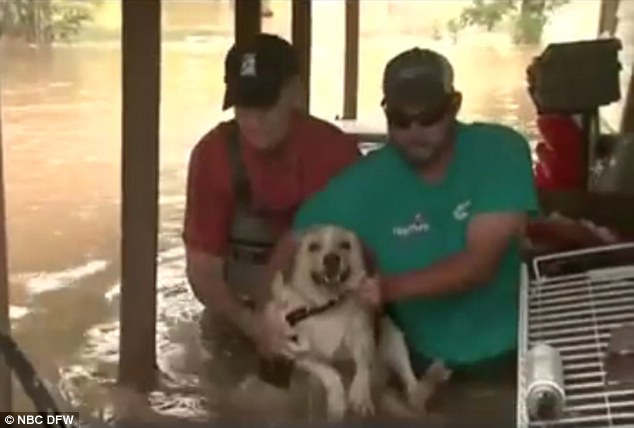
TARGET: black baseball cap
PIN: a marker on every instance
(418, 77)
(256, 71)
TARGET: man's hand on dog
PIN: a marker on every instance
(369, 292)
(272, 334)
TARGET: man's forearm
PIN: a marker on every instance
(455, 274)
(488, 237)
(213, 292)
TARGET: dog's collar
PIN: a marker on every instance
(303, 312)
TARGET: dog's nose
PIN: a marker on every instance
(332, 262)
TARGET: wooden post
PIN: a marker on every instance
(627, 117)
(141, 47)
(5, 322)
(608, 19)
(351, 71)
(247, 19)
(301, 30)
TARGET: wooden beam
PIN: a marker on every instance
(608, 22)
(301, 29)
(627, 116)
(141, 47)
(351, 70)
(608, 18)
(5, 322)
(247, 19)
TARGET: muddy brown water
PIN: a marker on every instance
(61, 130)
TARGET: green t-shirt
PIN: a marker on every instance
(409, 225)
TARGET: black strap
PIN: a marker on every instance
(304, 312)
(240, 177)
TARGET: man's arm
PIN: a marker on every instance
(488, 237)
(208, 215)
(506, 195)
(205, 275)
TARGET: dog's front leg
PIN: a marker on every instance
(395, 355)
(362, 346)
(331, 380)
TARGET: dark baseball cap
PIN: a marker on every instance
(418, 77)
(256, 71)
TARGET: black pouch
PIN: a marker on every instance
(276, 371)
(595, 82)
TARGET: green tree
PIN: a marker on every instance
(453, 28)
(486, 13)
(44, 21)
(532, 18)
(529, 17)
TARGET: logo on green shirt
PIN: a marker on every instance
(461, 212)
(418, 225)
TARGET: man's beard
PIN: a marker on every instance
(422, 156)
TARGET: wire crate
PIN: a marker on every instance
(573, 301)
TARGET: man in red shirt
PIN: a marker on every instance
(559, 165)
(559, 154)
(248, 176)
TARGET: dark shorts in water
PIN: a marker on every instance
(233, 355)
(483, 392)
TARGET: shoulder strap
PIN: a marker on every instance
(240, 177)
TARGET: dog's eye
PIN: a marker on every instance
(314, 247)
(345, 245)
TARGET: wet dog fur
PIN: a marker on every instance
(328, 265)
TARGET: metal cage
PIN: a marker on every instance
(573, 301)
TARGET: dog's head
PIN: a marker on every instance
(330, 259)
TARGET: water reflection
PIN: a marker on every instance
(61, 117)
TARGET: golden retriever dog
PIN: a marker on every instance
(331, 325)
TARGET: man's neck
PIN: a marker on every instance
(278, 151)
(436, 170)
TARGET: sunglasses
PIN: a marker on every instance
(399, 119)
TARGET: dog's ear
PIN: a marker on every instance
(281, 261)
(286, 255)
(278, 286)
(369, 260)
(289, 266)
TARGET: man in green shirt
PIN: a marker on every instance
(441, 207)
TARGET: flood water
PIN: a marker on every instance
(61, 131)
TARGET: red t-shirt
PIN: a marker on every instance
(315, 151)
(560, 162)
